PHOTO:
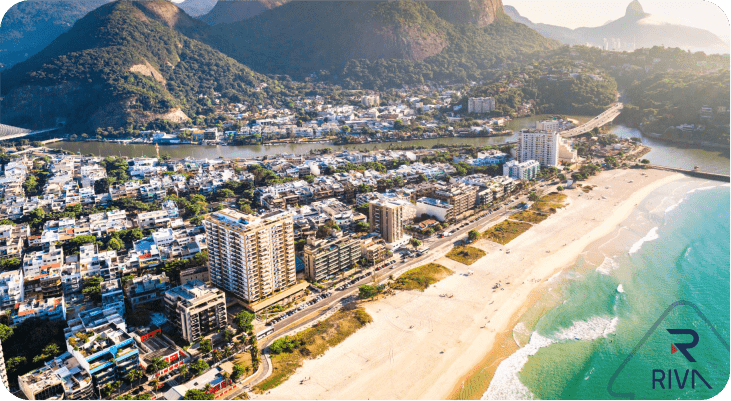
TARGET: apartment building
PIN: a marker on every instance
(195, 309)
(328, 256)
(148, 288)
(11, 288)
(61, 378)
(439, 209)
(521, 171)
(540, 146)
(373, 249)
(548, 125)
(386, 218)
(480, 104)
(461, 196)
(250, 256)
(107, 352)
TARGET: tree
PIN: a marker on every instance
(198, 367)
(243, 320)
(285, 344)
(323, 232)
(368, 291)
(205, 346)
(473, 235)
(533, 197)
(134, 376)
(415, 242)
(183, 370)
(239, 371)
(115, 244)
(5, 332)
(157, 364)
(227, 336)
(194, 394)
(362, 227)
(217, 353)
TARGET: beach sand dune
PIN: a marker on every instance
(422, 346)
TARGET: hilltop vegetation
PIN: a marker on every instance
(125, 64)
(375, 44)
(669, 99)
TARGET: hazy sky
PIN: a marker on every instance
(577, 13)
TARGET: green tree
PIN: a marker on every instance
(205, 346)
(243, 321)
(5, 332)
(415, 242)
(368, 291)
(473, 235)
(157, 364)
(198, 367)
(362, 227)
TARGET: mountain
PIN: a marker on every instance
(635, 29)
(123, 63)
(478, 12)
(228, 11)
(29, 26)
(377, 43)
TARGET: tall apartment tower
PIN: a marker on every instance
(386, 217)
(252, 257)
(480, 104)
(540, 146)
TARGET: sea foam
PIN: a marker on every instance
(651, 236)
(607, 266)
(506, 382)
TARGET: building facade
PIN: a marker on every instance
(386, 218)
(328, 256)
(251, 256)
(480, 104)
(521, 171)
(195, 310)
(540, 146)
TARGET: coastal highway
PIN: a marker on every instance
(438, 248)
(605, 118)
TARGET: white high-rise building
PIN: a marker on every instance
(250, 256)
(540, 146)
(480, 104)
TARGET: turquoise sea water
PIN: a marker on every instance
(674, 247)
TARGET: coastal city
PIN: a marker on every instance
(208, 200)
(157, 268)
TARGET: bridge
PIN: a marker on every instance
(602, 119)
(694, 173)
(8, 132)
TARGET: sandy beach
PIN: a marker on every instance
(423, 346)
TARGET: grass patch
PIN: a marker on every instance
(313, 342)
(549, 203)
(506, 231)
(587, 188)
(466, 254)
(420, 278)
(529, 216)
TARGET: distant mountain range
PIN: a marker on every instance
(636, 29)
(30, 25)
(132, 62)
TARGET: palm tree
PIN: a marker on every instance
(207, 388)
(183, 370)
(155, 383)
(225, 377)
(217, 354)
(247, 369)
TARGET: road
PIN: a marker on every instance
(438, 247)
(602, 119)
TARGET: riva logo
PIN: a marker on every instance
(682, 341)
(658, 375)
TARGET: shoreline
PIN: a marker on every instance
(421, 346)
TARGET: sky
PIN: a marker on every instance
(578, 13)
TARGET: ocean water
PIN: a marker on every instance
(675, 246)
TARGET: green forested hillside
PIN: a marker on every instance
(123, 64)
(375, 44)
(669, 99)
